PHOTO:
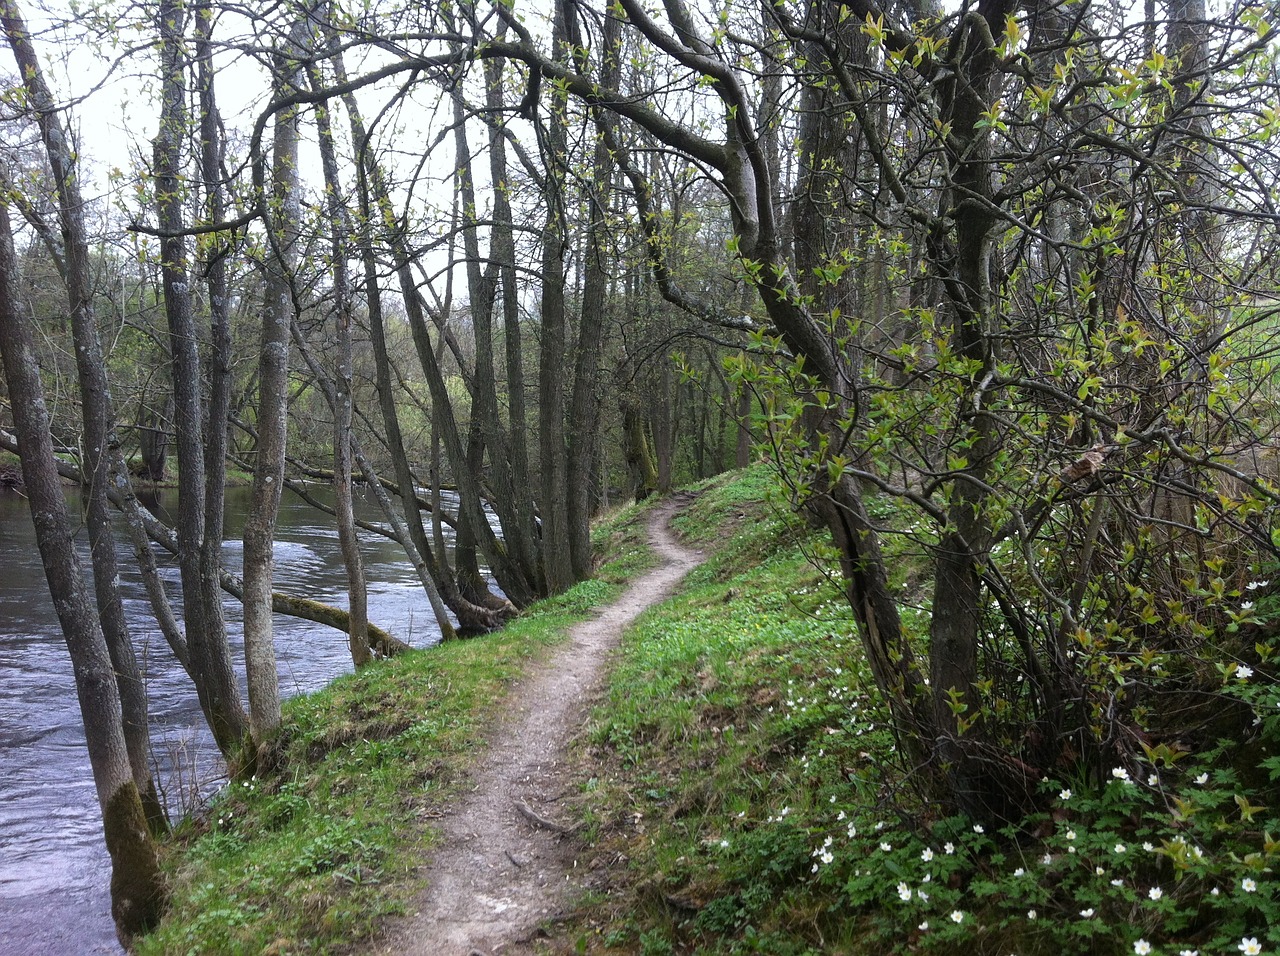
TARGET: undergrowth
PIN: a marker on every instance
(742, 788)
(312, 858)
(748, 795)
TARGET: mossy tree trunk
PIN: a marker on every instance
(104, 465)
(137, 888)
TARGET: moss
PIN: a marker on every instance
(138, 895)
(337, 618)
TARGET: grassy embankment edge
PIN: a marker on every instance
(740, 700)
(314, 858)
(743, 792)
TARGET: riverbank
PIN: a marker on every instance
(323, 856)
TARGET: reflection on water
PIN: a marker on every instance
(53, 865)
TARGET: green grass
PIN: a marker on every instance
(312, 859)
(746, 781)
(732, 712)
(740, 789)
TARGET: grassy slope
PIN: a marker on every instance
(746, 796)
(310, 861)
(734, 720)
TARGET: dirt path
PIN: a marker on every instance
(502, 866)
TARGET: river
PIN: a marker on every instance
(53, 864)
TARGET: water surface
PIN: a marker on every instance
(53, 864)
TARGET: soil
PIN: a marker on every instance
(506, 862)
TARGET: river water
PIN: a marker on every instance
(53, 864)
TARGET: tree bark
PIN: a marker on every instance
(486, 433)
(341, 400)
(206, 632)
(283, 221)
(104, 461)
(554, 499)
(138, 895)
(208, 500)
(521, 536)
(584, 399)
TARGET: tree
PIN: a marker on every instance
(103, 463)
(282, 217)
(200, 482)
(963, 150)
(137, 886)
(340, 395)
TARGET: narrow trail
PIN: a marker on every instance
(502, 866)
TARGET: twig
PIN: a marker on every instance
(543, 822)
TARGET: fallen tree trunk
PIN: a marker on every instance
(382, 642)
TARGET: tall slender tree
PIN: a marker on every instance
(199, 538)
(137, 885)
(103, 461)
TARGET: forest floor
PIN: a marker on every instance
(502, 866)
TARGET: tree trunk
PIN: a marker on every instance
(202, 600)
(742, 448)
(513, 579)
(584, 400)
(153, 438)
(469, 616)
(638, 452)
(485, 430)
(138, 895)
(283, 222)
(521, 537)
(554, 500)
(104, 461)
(341, 400)
(662, 399)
